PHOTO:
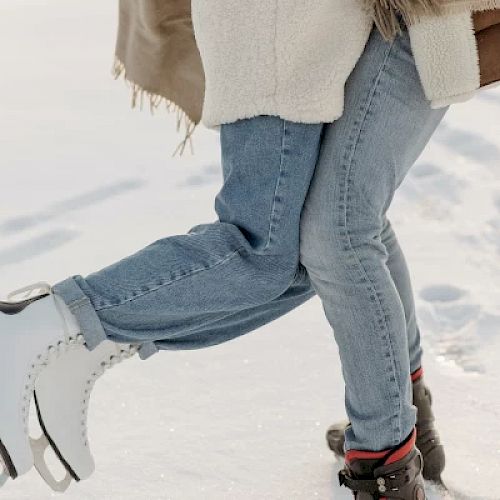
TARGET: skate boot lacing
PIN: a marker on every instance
(44, 359)
(126, 352)
(52, 352)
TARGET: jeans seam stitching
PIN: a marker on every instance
(348, 166)
(179, 278)
(273, 217)
(79, 303)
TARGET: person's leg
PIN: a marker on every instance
(400, 274)
(428, 440)
(247, 258)
(237, 324)
(346, 243)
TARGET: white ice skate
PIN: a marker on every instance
(62, 395)
(32, 333)
(62, 388)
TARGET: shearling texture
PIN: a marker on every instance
(289, 58)
(445, 52)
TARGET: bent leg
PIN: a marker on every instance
(235, 325)
(364, 157)
(246, 259)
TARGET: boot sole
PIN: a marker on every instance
(7, 461)
(65, 464)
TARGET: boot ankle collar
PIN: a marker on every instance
(389, 456)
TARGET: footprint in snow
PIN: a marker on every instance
(425, 170)
(470, 145)
(450, 323)
(490, 96)
(211, 174)
(442, 293)
(75, 203)
(34, 247)
(434, 190)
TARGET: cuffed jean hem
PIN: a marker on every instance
(90, 325)
(147, 350)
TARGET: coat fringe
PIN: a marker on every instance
(387, 14)
(139, 95)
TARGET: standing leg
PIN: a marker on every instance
(365, 156)
(400, 274)
(427, 441)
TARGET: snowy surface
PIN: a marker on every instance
(85, 181)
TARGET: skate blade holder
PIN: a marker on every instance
(39, 447)
(7, 469)
(4, 474)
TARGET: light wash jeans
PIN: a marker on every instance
(227, 278)
(350, 250)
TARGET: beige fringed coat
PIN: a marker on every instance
(223, 60)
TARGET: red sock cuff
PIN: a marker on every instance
(365, 455)
(404, 449)
(392, 455)
(417, 374)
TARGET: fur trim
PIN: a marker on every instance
(139, 95)
(446, 57)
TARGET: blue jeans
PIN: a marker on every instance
(350, 250)
(193, 290)
(227, 278)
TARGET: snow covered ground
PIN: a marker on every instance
(85, 180)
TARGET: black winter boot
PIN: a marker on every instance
(428, 441)
(396, 474)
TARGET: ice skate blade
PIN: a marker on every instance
(39, 446)
(4, 475)
(7, 466)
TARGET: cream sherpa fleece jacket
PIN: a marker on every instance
(289, 58)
